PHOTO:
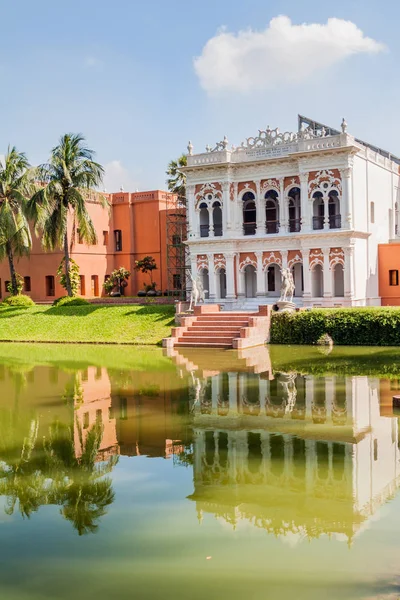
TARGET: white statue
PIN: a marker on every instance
(344, 125)
(198, 292)
(287, 287)
(190, 148)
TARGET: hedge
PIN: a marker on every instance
(346, 326)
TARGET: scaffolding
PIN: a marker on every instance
(178, 259)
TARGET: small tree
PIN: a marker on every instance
(147, 265)
(118, 279)
(74, 279)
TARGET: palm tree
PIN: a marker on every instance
(16, 186)
(176, 179)
(70, 171)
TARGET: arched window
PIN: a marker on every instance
(294, 210)
(271, 212)
(204, 220)
(217, 218)
(334, 210)
(249, 213)
(250, 281)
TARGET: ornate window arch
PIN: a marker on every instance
(246, 262)
(325, 181)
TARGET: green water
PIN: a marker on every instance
(127, 473)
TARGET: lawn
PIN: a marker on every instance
(127, 324)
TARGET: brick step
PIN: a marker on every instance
(210, 334)
(226, 346)
(223, 317)
(222, 323)
(195, 338)
(211, 330)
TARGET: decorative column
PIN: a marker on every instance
(230, 275)
(261, 291)
(347, 198)
(283, 209)
(348, 273)
(305, 205)
(284, 254)
(193, 225)
(235, 210)
(306, 274)
(260, 212)
(326, 212)
(211, 277)
(240, 278)
(327, 274)
(226, 208)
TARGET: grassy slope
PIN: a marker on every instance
(128, 324)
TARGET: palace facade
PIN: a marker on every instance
(318, 201)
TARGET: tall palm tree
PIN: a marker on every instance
(16, 186)
(70, 171)
(176, 180)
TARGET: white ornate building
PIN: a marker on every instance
(318, 201)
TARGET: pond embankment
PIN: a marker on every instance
(96, 324)
(372, 326)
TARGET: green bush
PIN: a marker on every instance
(346, 326)
(19, 300)
(70, 301)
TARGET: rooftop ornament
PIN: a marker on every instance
(190, 148)
(344, 125)
(219, 145)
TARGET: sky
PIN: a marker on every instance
(140, 79)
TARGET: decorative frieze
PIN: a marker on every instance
(316, 257)
(271, 258)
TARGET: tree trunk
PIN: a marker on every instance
(13, 275)
(66, 255)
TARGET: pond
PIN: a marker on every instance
(130, 473)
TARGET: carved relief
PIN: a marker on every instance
(208, 193)
(202, 262)
(219, 262)
(316, 258)
(336, 256)
(269, 184)
(294, 257)
(247, 186)
(271, 258)
(324, 181)
(291, 182)
(247, 259)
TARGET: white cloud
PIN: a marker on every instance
(281, 54)
(116, 175)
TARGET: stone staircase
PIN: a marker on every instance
(209, 327)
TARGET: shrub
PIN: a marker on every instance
(20, 284)
(19, 300)
(73, 275)
(70, 301)
(346, 326)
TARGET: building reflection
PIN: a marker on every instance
(291, 453)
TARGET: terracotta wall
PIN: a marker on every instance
(389, 260)
(141, 218)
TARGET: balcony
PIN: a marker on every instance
(318, 222)
(204, 230)
(335, 221)
(249, 228)
(271, 227)
(294, 225)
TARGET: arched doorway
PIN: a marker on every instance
(318, 211)
(204, 220)
(250, 281)
(221, 284)
(338, 281)
(294, 210)
(334, 210)
(204, 278)
(249, 214)
(271, 212)
(317, 282)
(217, 218)
(298, 278)
(273, 274)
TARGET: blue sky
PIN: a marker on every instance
(123, 74)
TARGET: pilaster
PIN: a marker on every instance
(304, 203)
(327, 274)
(261, 291)
(211, 277)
